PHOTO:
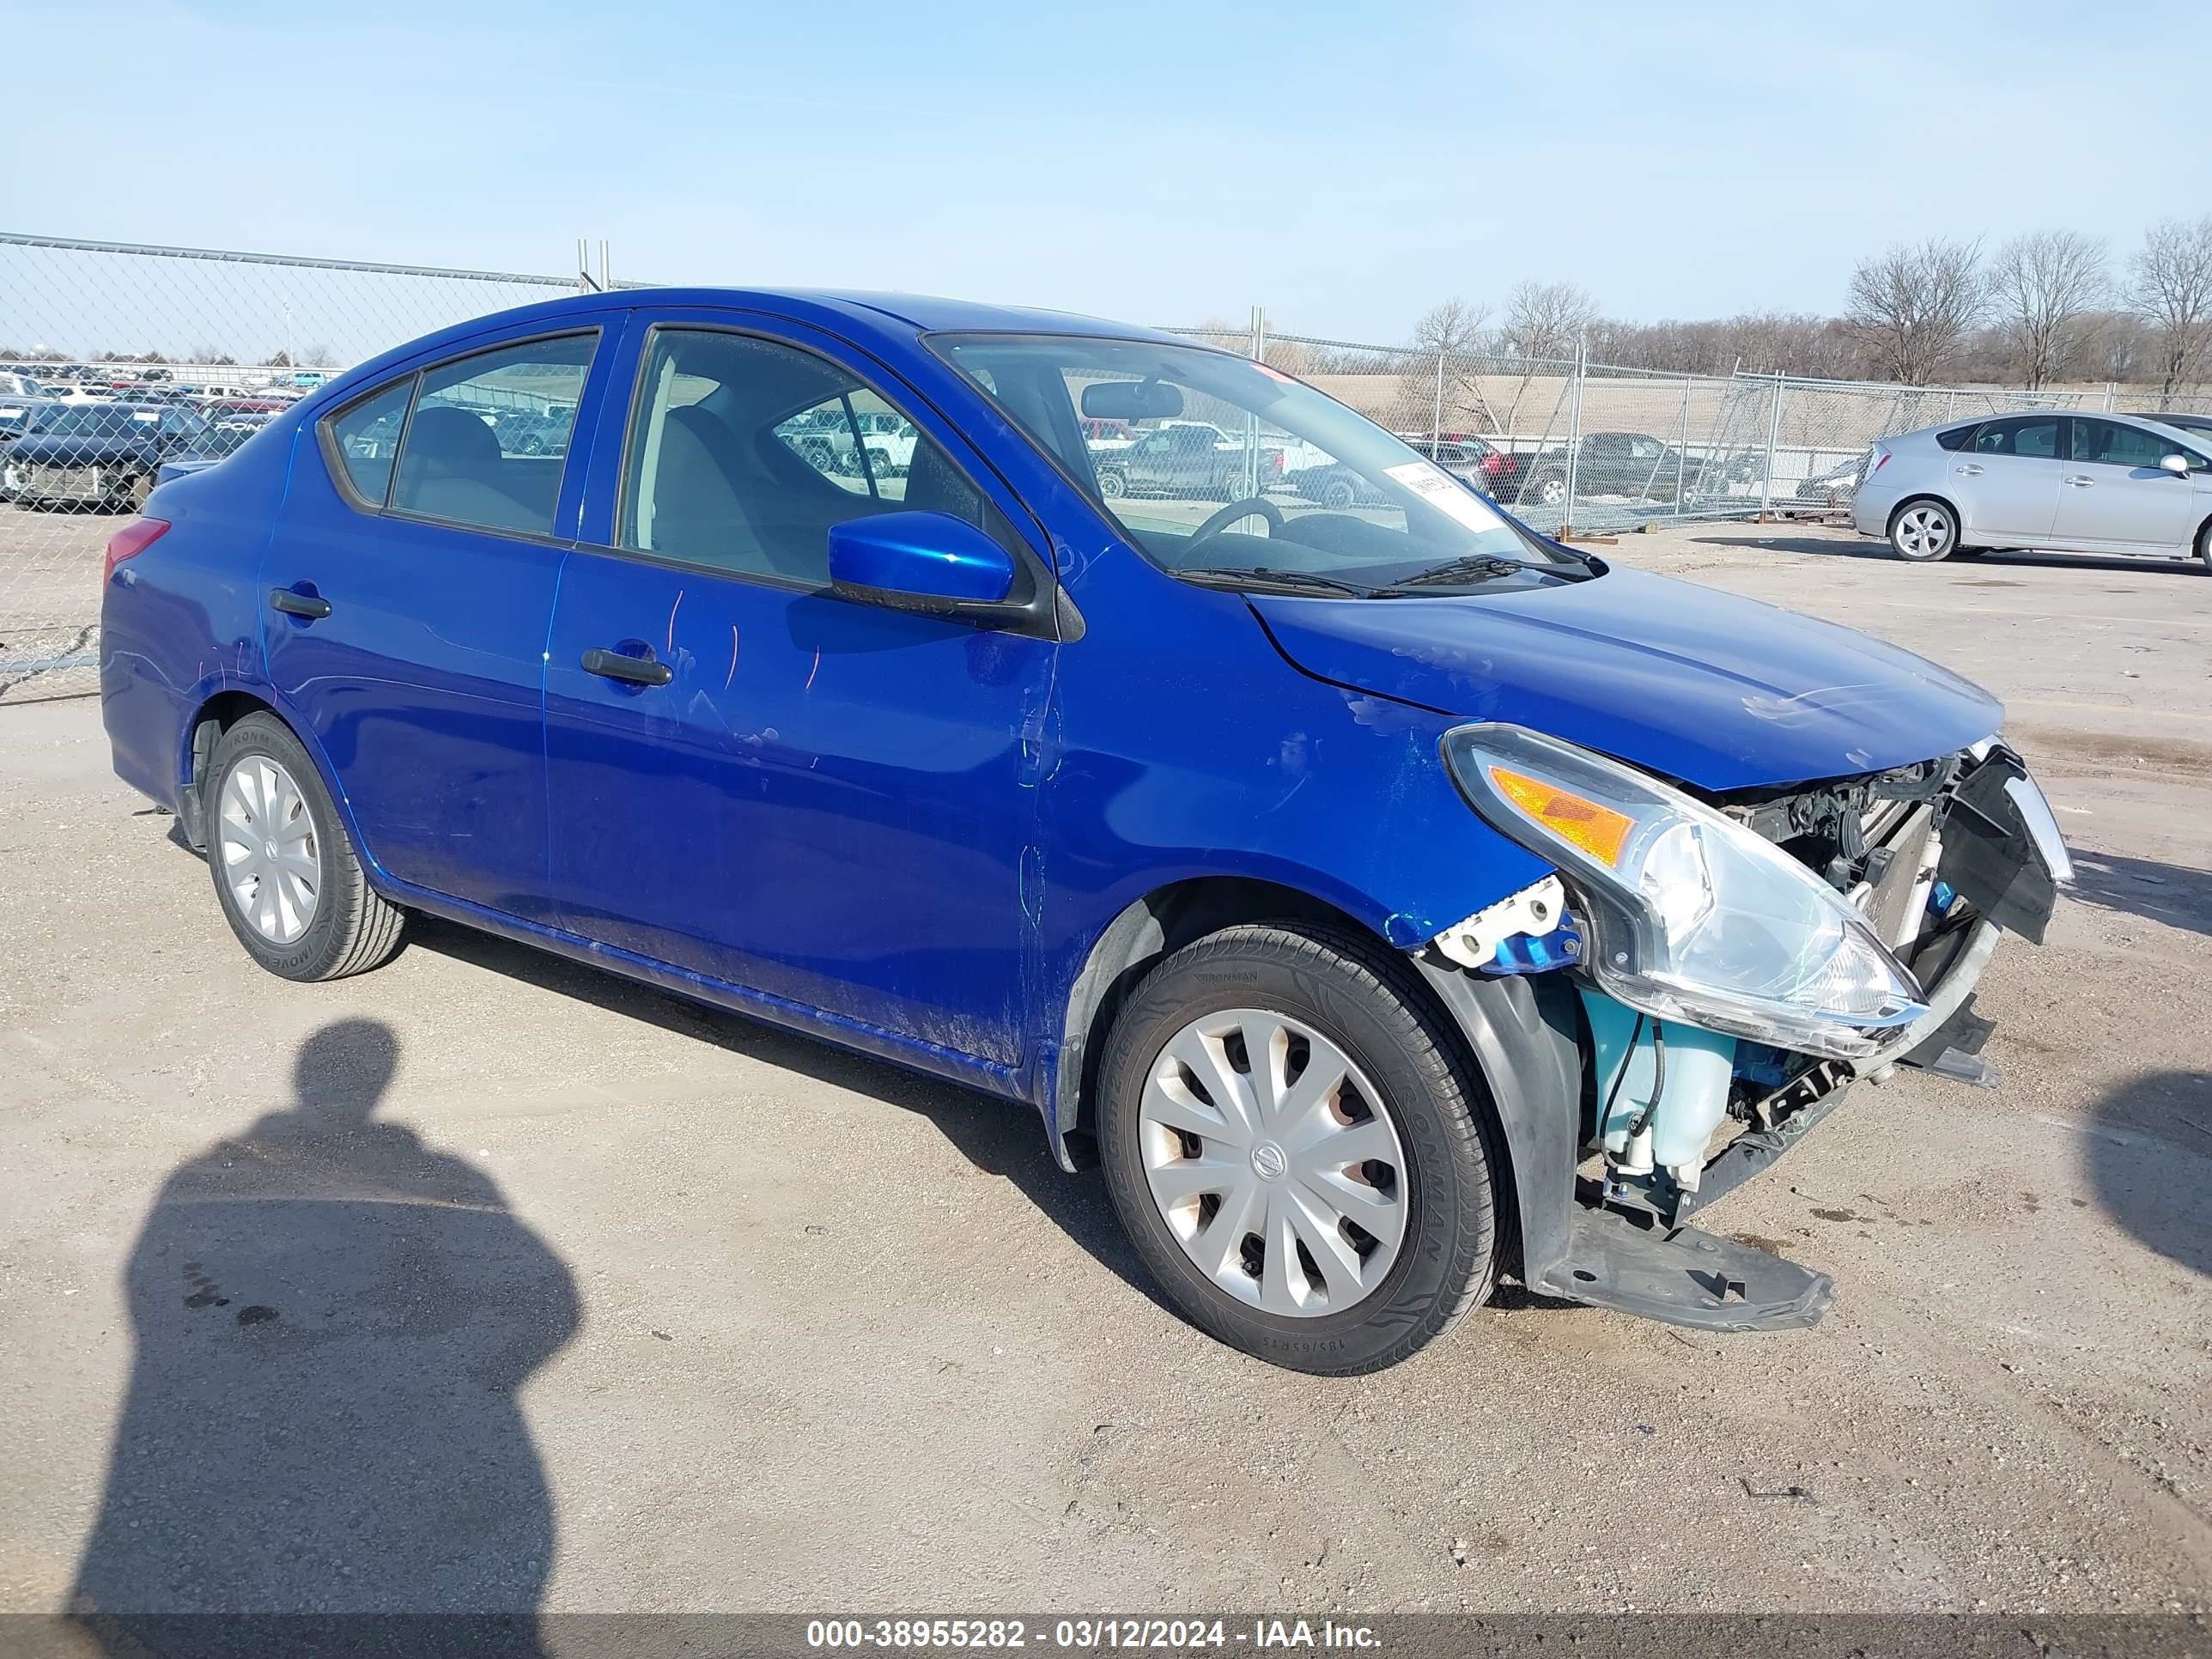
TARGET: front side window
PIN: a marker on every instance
(2114, 443)
(485, 441)
(365, 436)
(742, 454)
(2031, 440)
(1329, 494)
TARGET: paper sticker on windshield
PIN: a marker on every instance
(1447, 493)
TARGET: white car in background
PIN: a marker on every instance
(2048, 480)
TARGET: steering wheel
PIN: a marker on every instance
(1244, 509)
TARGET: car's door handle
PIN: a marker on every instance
(1971, 471)
(2083, 484)
(637, 670)
(312, 606)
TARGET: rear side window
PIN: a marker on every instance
(2033, 438)
(488, 435)
(366, 437)
(1957, 437)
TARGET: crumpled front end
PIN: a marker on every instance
(1931, 863)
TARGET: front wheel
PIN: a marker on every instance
(1922, 531)
(2205, 548)
(1550, 490)
(1339, 494)
(285, 873)
(1113, 483)
(1294, 1144)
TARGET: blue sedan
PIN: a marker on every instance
(1387, 898)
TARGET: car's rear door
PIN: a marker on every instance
(407, 602)
(2006, 479)
(818, 798)
(2115, 494)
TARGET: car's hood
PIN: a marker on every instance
(1719, 692)
(76, 452)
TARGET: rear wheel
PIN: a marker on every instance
(2204, 547)
(1549, 490)
(1923, 530)
(1339, 494)
(1113, 482)
(285, 874)
(1297, 1152)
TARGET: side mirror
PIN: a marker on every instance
(926, 562)
(2177, 465)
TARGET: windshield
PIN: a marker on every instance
(1170, 438)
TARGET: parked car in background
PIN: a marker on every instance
(95, 454)
(1187, 458)
(1482, 464)
(17, 414)
(2056, 482)
(223, 437)
(1631, 463)
(1394, 900)
(1832, 487)
(14, 384)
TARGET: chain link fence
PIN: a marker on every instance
(110, 338)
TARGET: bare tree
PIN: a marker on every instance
(2044, 288)
(1546, 320)
(2173, 292)
(1912, 306)
(1447, 337)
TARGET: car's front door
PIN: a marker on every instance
(2115, 494)
(820, 797)
(405, 605)
(2006, 479)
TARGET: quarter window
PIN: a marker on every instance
(2035, 439)
(365, 435)
(486, 441)
(742, 452)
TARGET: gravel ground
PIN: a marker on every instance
(617, 1304)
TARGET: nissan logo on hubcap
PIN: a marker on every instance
(1268, 1161)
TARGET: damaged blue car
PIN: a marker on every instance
(1390, 900)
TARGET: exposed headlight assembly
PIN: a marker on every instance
(1690, 915)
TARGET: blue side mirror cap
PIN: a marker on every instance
(918, 562)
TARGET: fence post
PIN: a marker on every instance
(1574, 430)
(1773, 441)
(1252, 418)
(1436, 425)
(1681, 450)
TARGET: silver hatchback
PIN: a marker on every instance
(2062, 482)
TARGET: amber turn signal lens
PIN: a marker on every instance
(1598, 830)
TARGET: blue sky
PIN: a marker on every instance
(1344, 165)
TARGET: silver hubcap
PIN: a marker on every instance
(1923, 531)
(266, 840)
(1273, 1164)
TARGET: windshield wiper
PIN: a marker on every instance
(1288, 581)
(1481, 568)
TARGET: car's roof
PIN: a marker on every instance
(888, 319)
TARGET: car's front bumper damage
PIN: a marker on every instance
(1957, 859)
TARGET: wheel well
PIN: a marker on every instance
(216, 716)
(1156, 925)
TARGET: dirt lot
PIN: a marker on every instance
(729, 1320)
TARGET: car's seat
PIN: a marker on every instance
(698, 507)
(451, 467)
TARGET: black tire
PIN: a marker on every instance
(1924, 530)
(2204, 547)
(1369, 1004)
(1545, 490)
(1113, 482)
(1339, 494)
(352, 929)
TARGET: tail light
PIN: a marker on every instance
(131, 541)
(1493, 463)
(1880, 460)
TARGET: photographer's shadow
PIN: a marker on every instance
(332, 1321)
